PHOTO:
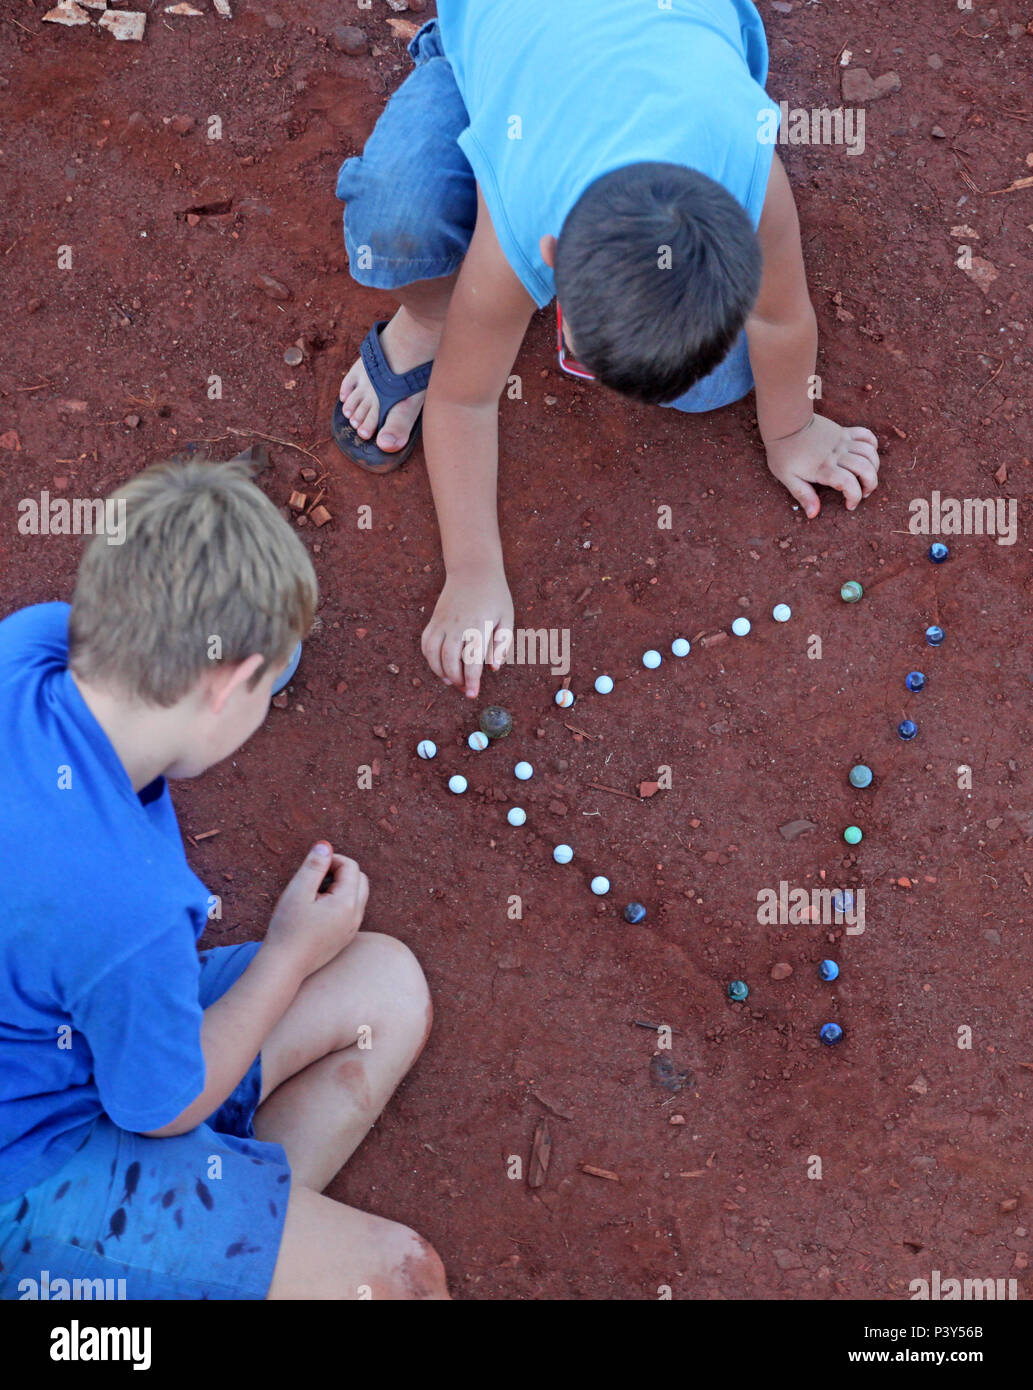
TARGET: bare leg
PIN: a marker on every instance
(322, 1092)
(410, 338)
(330, 1251)
(338, 1053)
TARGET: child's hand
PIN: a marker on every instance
(314, 927)
(475, 601)
(846, 458)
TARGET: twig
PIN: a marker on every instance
(287, 443)
(600, 787)
(996, 374)
(597, 737)
(1018, 183)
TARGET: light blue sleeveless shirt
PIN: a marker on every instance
(560, 92)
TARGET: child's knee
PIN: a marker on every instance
(399, 985)
(415, 1269)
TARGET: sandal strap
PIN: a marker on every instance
(391, 387)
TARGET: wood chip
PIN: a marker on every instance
(320, 516)
(401, 28)
(646, 789)
(541, 1152)
(182, 9)
(67, 13)
(223, 7)
(125, 25)
(793, 828)
(599, 1172)
(297, 501)
(205, 835)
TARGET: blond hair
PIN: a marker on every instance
(209, 571)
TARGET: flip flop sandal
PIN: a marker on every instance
(390, 387)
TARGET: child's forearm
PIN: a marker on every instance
(782, 356)
(234, 1029)
(462, 448)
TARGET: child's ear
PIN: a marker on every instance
(228, 679)
(547, 246)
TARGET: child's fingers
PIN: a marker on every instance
(472, 677)
(346, 875)
(452, 659)
(847, 484)
(864, 469)
(431, 645)
(866, 451)
(805, 495)
(859, 434)
(500, 644)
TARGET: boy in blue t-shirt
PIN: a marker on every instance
(168, 1120)
(619, 157)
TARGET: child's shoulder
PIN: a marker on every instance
(34, 634)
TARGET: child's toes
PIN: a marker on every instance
(365, 419)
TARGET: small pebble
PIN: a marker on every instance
(860, 776)
(738, 990)
(477, 741)
(563, 854)
(741, 627)
(934, 635)
(516, 815)
(830, 1033)
(851, 592)
(781, 612)
(781, 970)
(938, 552)
(680, 646)
(853, 835)
(426, 748)
(651, 660)
(907, 729)
(600, 885)
(603, 684)
(564, 698)
(457, 784)
(914, 680)
(523, 771)
(634, 913)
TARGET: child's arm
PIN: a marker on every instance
(802, 447)
(308, 929)
(487, 318)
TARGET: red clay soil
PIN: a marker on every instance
(924, 1144)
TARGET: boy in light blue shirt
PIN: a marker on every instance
(618, 156)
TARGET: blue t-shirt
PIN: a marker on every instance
(560, 92)
(99, 920)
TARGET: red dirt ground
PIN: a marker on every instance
(921, 1141)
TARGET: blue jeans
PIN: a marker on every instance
(412, 201)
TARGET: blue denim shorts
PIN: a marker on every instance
(196, 1216)
(412, 201)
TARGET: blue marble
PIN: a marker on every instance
(828, 970)
(934, 635)
(907, 729)
(830, 1033)
(938, 552)
(738, 990)
(915, 680)
(634, 912)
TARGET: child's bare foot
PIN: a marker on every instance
(407, 342)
